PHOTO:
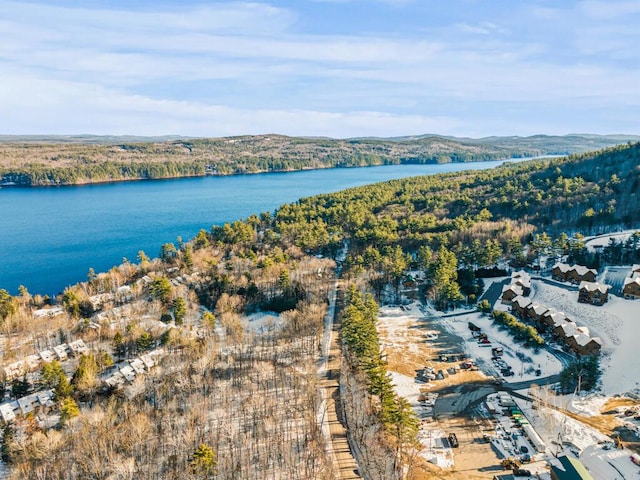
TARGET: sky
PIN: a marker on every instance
(338, 68)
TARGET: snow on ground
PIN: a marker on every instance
(596, 451)
(397, 321)
(558, 430)
(589, 405)
(523, 361)
(436, 450)
(600, 320)
(610, 464)
(261, 322)
(618, 324)
(601, 241)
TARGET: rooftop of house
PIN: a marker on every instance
(538, 309)
(629, 280)
(563, 267)
(522, 302)
(517, 289)
(582, 270)
(594, 286)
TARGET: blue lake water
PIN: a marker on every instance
(50, 237)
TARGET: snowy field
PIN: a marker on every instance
(617, 323)
(262, 322)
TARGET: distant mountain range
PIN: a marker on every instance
(564, 144)
(42, 160)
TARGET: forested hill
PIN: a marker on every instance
(43, 161)
(579, 193)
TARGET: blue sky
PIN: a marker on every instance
(339, 68)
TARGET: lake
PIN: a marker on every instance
(50, 237)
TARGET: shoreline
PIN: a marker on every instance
(16, 185)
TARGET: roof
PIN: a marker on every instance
(523, 302)
(538, 309)
(571, 469)
(61, 350)
(513, 288)
(628, 280)
(7, 411)
(525, 282)
(582, 270)
(563, 267)
(521, 274)
(570, 329)
(78, 346)
(635, 268)
(594, 286)
(47, 356)
(559, 320)
(557, 316)
(582, 339)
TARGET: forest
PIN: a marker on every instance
(62, 161)
(213, 407)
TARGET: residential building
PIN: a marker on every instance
(573, 273)
(631, 289)
(519, 306)
(580, 273)
(509, 292)
(535, 311)
(523, 280)
(594, 293)
(584, 344)
(560, 272)
(78, 348)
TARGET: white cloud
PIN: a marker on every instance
(91, 109)
(610, 9)
(81, 69)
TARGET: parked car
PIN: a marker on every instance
(519, 472)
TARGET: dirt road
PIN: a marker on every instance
(330, 373)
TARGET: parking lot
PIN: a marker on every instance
(615, 276)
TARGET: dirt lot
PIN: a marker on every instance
(402, 335)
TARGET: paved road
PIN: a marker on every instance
(527, 383)
(492, 294)
(329, 372)
(555, 283)
(461, 399)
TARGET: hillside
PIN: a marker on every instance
(43, 161)
(578, 193)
